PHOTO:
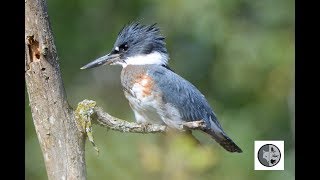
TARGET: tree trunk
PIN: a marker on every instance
(61, 143)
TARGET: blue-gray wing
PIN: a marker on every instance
(184, 96)
(190, 103)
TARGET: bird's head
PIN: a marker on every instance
(136, 44)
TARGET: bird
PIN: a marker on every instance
(156, 94)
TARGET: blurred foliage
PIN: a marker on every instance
(239, 53)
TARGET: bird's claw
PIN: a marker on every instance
(144, 125)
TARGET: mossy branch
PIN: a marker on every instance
(106, 120)
(87, 112)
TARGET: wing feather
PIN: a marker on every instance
(190, 103)
(183, 95)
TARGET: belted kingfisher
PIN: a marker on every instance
(156, 94)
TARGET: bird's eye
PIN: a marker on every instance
(123, 47)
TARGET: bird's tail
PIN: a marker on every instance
(224, 141)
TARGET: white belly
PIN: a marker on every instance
(148, 107)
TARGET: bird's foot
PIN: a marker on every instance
(144, 125)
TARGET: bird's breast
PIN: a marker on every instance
(138, 85)
(143, 86)
(141, 91)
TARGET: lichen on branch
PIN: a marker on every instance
(87, 113)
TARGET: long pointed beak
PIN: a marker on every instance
(107, 59)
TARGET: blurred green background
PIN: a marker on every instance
(240, 55)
